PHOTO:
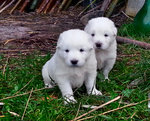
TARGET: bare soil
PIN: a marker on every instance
(30, 32)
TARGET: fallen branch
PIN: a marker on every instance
(98, 107)
(116, 109)
(135, 42)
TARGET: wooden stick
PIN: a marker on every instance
(135, 42)
(62, 5)
(55, 5)
(42, 6)
(2, 4)
(98, 107)
(16, 5)
(22, 94)
(27, 104)
(116, 109)
(7, 6)
(111, 8)
(105, 5)
(78, 3)
(67, 5)
(48, 6)
(24, 5)
(86, 8)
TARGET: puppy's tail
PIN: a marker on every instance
(46, 78)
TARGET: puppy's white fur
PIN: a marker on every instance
(103, 32)
(73, 64)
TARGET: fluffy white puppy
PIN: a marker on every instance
(103, 32)
(73, 64)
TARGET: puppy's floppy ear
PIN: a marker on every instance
(86, 27)
(115, 30)
(57, 47)
(59, 41)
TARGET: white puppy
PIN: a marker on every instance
(103, 32)
(73, 64)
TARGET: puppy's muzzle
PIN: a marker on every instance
(74, 62)
(98, 45)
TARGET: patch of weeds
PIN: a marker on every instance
(24, 73)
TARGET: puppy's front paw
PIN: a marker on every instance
(48, 86)
(96, 92)
(69, 99)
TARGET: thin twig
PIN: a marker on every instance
(98, 107)
(16, 50)
(7, 6)
(127, 15)
(7, 41)
(14, 114)
(78, 3)
(4, 69)
(116, 109)
(22, 94)
(78, 110)
(23, 87)
(62, 5)
(133, 115)
(87, 7)
(16, 5)
(2, 4)
(27, 104)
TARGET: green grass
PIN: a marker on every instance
(133, 64)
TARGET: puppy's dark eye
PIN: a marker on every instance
(67, 51)
(106, 35)
(92, 35)
(81, 50)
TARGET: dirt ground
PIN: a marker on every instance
(29, 32)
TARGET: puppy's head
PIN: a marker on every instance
(103, 32)
(74, 47)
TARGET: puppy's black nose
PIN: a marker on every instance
(98, 45)
(74, 62)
